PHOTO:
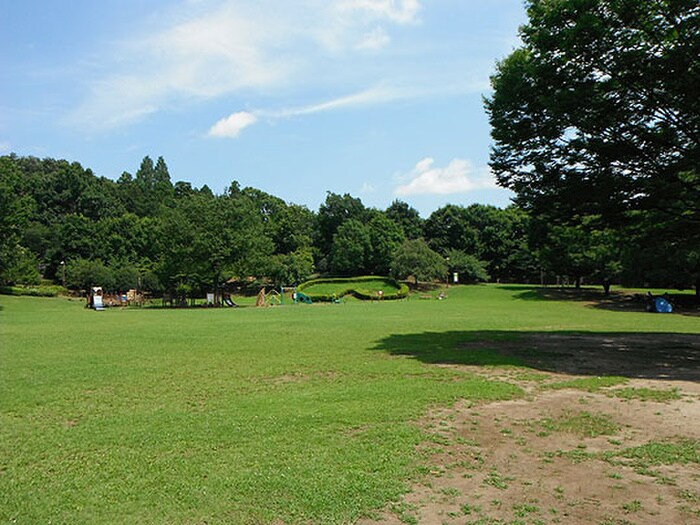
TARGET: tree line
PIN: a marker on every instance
(142, 231)
(62, 222)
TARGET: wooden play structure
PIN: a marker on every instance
(99, 300)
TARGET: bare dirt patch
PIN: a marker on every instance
(569, 455)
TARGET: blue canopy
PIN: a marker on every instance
(663, 306)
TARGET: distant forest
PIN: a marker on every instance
(62, 222)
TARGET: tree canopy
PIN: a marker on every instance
(596, 118)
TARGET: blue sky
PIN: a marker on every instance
(381, 99)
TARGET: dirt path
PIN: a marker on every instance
(577, 449)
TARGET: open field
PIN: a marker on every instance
(331, 413)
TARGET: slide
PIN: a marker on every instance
(303, 298)
(229, 302)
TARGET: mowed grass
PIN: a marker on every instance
(369, 287)
(293, 414)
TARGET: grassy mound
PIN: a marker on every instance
(360, 287)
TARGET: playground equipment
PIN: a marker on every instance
(272, 298)
(275, 297)
(134, 297)
(300, 297)
(95, 298)
(229, 302)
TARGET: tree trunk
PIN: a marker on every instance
(606, 287)
(578, 282)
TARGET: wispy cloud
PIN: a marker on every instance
(231, 126)
(367, 97)
(374, 40)
(459, 176)
(206, 50)
(399, 11)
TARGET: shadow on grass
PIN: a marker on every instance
(635, 355)
(619, 301)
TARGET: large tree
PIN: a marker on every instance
(407, 217)
(449, 228)
(332, 214)
(597, 114)
(415, 258)
(350, 249)
(207, 239)
(385, 237)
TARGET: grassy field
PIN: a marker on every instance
(293, 414)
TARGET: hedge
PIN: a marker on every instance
(34, 291)
(353, 288)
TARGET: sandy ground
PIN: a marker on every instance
(558, 455)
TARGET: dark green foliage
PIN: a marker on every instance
(582, 250)
(291, 268)
(469, 268)
(292, 228)
(407, 217)
(332, 214)
(415, 258)
(126, 277)
(23, 268)
(15, 210)
(351, 247)
(449, 228)
(385, 236)
(82, 274)
(208, 239)
(499, 237)
(596, 117)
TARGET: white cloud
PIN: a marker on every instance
(459, 176)
(232, 125)
(5, 147)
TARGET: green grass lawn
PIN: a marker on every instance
(294, 414)
(367, 286)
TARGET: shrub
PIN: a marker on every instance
(41, 290)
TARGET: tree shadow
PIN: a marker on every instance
(423, 287)
(617, 301)
(667, 356)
